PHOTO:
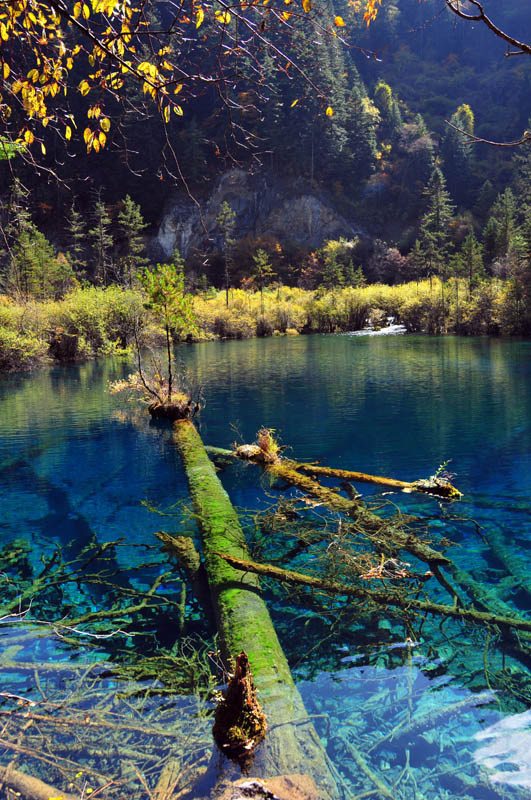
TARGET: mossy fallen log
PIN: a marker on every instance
(379, 597)
(244, 624)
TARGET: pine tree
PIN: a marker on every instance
(361, 136)
(17, 217)
(226, 220)
(263, 273)
(485, 199)
(34, 269)
(504, 212)
(472, 261)
(391, 119)
(102, 241)
(353, 276)
(435, 224)
(332, 276)
(77, 236)
(457, 154)
(417, 262)
(491, 239)
(131, 224)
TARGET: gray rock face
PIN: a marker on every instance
(264, 205)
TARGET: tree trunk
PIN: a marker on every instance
(243, 622)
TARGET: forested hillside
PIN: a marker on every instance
(359, 117)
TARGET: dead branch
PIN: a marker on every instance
(379, 597)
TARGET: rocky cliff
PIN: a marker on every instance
(264, 205)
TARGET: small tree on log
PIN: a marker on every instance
(166, 393)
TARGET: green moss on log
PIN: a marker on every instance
(244, 623)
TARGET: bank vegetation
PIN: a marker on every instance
(90, 322)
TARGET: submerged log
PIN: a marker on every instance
(244, 624)
(31, 788)
(182, 549)
(385, 598)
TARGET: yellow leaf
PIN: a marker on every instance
(96, 145)
(3, 32)
(167, 114)
(307, 6)
(223, 17)
(105, 124)
(77, 10)
(84, 87)
(5, 70)
(329, 111)
(178, 88)
(87, 133)
(102, 138)
(199, 17)
(294, 102)
(285, 15)
(85, 11)
(28, 137)
(178, 110)
(339, 22)
(68, 133)
(43, 149)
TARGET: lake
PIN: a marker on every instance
(437, 709)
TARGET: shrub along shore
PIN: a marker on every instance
(91, 322)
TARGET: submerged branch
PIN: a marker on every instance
(379, 597)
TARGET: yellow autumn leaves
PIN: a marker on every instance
(55, 59)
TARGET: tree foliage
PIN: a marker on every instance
(71, 65)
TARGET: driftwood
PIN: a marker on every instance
(244, 624)
(384, 598)
(385, 536)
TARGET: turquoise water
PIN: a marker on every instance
(76, 468)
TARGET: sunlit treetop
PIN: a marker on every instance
(73, 66)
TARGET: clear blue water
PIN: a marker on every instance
(76, 467)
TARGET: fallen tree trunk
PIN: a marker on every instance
(244, 624)
(382, 533)
(389, 598)
(434, 485)
(385, 536)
